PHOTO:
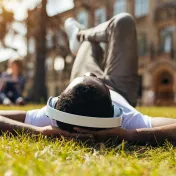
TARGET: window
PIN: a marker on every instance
(141, 7)
(57, 92)
(83, 18)
(49, 39)
(165, 1)
(49, 64)
(168, 43)
(31, 45)
(119, 6)
(142, 44)
(60, 38)
(59, 63)
(166, 39)
(100, 16)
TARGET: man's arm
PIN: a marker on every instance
(154, 136)
(14, 115)
(162, 121)
(9, 125)
(157, 135)
(12, 126)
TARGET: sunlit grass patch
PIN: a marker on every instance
(151, 111)
(158, 111)
(24, 108)
(26, 155)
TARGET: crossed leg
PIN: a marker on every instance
(119, 71)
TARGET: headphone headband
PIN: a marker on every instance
(83, 121)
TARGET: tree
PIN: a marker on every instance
(6, 18)
(39, 86)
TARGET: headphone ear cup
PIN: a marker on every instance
(53, 101)
(117, 111)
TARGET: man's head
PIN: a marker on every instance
(86, 96)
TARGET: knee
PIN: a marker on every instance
(124, 20)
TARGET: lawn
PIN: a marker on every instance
(25, 155)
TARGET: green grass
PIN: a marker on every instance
(24, 155)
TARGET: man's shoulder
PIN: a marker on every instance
(120, 102)
(38, 117)
(116, 97)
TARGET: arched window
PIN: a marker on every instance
(100, 16)
(166, 39)
(141, 7)
(142, 44)
(83, 18)
(119, 6)
(49, 39)
(31, 45)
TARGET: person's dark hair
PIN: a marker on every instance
(17, 62)
(85, 100)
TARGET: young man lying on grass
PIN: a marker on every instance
(106, 87)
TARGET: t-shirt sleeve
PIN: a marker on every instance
(136, 121)
(38, 118)
(131, 118)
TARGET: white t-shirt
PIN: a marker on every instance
(131, 118)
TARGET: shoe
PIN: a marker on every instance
(7, 102)
(20, 101)
(72, 27)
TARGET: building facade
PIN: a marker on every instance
(156, 31)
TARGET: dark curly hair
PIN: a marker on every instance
(85, 100)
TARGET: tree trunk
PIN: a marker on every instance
(39, 87)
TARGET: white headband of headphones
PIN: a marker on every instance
(83, 121)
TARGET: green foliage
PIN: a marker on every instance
(25, 155)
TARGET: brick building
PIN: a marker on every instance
(156, 28)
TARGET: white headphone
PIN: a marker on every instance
(83, 121)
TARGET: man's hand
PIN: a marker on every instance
(106, 134)
(57, 132)
(53, 131)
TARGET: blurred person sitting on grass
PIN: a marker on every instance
(12, 84)
(110, 82)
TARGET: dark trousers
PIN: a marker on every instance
(117, 67)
